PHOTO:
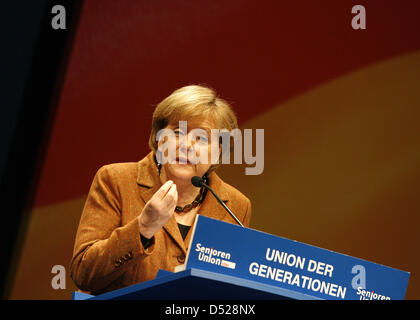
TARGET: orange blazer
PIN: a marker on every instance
(108, 253)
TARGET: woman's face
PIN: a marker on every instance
(188, 149)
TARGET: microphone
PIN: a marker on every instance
(199, 182)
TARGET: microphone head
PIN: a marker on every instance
(197, 181)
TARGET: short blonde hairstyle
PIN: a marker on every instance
(189, 102)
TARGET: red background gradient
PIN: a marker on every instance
(340, 110)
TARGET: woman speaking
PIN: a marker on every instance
(137, 216)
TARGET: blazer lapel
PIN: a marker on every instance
(172, 228)
(147, 177)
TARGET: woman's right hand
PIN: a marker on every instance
(158, 210)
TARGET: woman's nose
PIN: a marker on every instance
(186, 143)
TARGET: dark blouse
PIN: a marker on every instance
(184, 230)
(148, 242)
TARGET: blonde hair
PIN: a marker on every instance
(193, 101)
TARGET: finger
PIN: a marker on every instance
(163, 190)
(171, 198)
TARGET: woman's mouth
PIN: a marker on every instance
(182, 160)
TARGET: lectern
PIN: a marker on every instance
(226, 261)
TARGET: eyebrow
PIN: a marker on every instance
(205, 128)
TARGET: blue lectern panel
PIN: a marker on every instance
(249, 254)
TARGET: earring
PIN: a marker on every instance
(158, 164)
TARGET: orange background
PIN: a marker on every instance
(339, 108)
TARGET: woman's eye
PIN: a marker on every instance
(178, 132)
(203, 139)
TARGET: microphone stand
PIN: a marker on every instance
(223, 204)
